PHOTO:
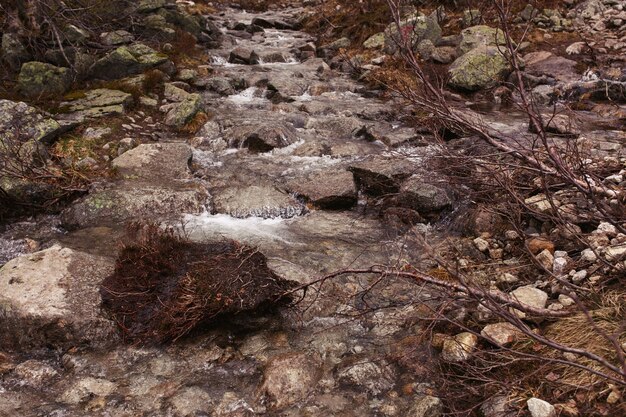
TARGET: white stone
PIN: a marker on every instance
(607, 229)
(481, 244)
(588, 255)
(529, 296)
(540, 408)
(579, 276)
(565, 300)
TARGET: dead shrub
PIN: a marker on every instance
(165, 286)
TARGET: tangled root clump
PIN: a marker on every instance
(165, 286)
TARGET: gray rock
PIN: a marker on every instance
(543, 63)
(74, 34)
(127, 60)
(417, 28)
(426, 406)
(155, 162)
(184, 111)
(426, 49)
(255, 201)
(51, 298)
(423, 197)
(332, 189)
(173, 93)
(86, 388)
(380, 175)
(13, 51)
(480, 36)
(191, 401)
(221, 85)
(376, 41)
(21, 122)
(35, 373)
(529, 296)
(97, 103)
(498, 406)
(116, 38)
(244, 56)
(147, 6)
(444, 54)
(481, 67)
(261, 137)
(126, 145)
(41, 79)
(156, 26)
(289, 379)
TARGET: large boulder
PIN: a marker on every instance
(261, 137)
(481, 35)
(330, 189)
(19, 121)
(423, 197)
(41, 79)
(380, 175)
(415, 28)
(51, 298)
(155, 162)
(127, 60)
(481, 67)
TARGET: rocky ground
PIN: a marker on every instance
(265, 136)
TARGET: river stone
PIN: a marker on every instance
(423, 197)
(184, 111)
(503, 334)
(116, 38)
(261, 137)
(480, 36)
(291, 378)
(97, 103)
(244, 56)
(381, 175)
(480, 68)
(332, 189)
(459, 348)
(426, 406)
(417, 27)
(13, 51)
(544, 63)
(38, 78)
(255, 201)
(127, 60)
(115, 206)
(529, 296)
(155, 162)
(51, 298)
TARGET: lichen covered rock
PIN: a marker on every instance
(480, 68)
(40, 79)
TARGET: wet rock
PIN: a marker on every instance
(126, 61)
(268, 23)
(40, 79)
(255, 201)
(289, 379)
(416, 27)
(377, 377)
(261, 137)
(35, 373)
(243, 56)
(13, 51)
(480, 36)
(116, 38)
(503, 334)
(529, 296)
(379, 175)
(545, 63)
(332, 189)
(97, 103)
(155, 161)
(480, 68)
(183, 112)
(51, 298)
(540, 408)
(423, 197)
(426, 406)
(459, 348)
(87, 388)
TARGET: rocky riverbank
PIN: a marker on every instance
(262, 135)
